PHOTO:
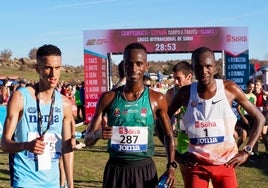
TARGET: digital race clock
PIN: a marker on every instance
(165, 47)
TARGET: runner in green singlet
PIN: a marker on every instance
(131, 111)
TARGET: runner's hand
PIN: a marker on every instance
(106, 130)
(238, 159)
(36, 146)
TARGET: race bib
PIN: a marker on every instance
(129, 139)
(207, 132)
(52, 149)
(44, 160)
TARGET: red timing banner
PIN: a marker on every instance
(168, 40)
(97, 43)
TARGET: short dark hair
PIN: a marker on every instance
(184, 67)
(47, 50)
(135, 45)
(258, 80)
(250, 82)
(196, 53)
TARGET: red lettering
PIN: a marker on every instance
(239, 39)
(155, 32)
(230, 38)
(124, 130)
(204, 124)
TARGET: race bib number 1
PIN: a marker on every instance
(207, 132)
(129, 139)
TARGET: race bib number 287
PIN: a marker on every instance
(129, 139)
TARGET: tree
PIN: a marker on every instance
(6, 54)
(32, 54)
(168, 69)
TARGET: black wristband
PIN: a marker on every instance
(172, 164)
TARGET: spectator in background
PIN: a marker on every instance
(160, 76)
(182, 75)
(22, 83)
(1, 95)
(63, 90)
(4, 92)
(82, 98)
(246, 122)
(147, 80)
(122, 77)
(262, 105)
(78, 104)
(13, 87)
(69, 92)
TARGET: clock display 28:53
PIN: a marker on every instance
(165, 47)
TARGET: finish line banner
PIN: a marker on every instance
(98, 43)
(168, 40)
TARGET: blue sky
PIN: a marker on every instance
(31, 23)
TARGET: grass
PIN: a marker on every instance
(90, 162)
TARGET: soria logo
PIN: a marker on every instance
(232, 38)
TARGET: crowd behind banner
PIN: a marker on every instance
(75, 92)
